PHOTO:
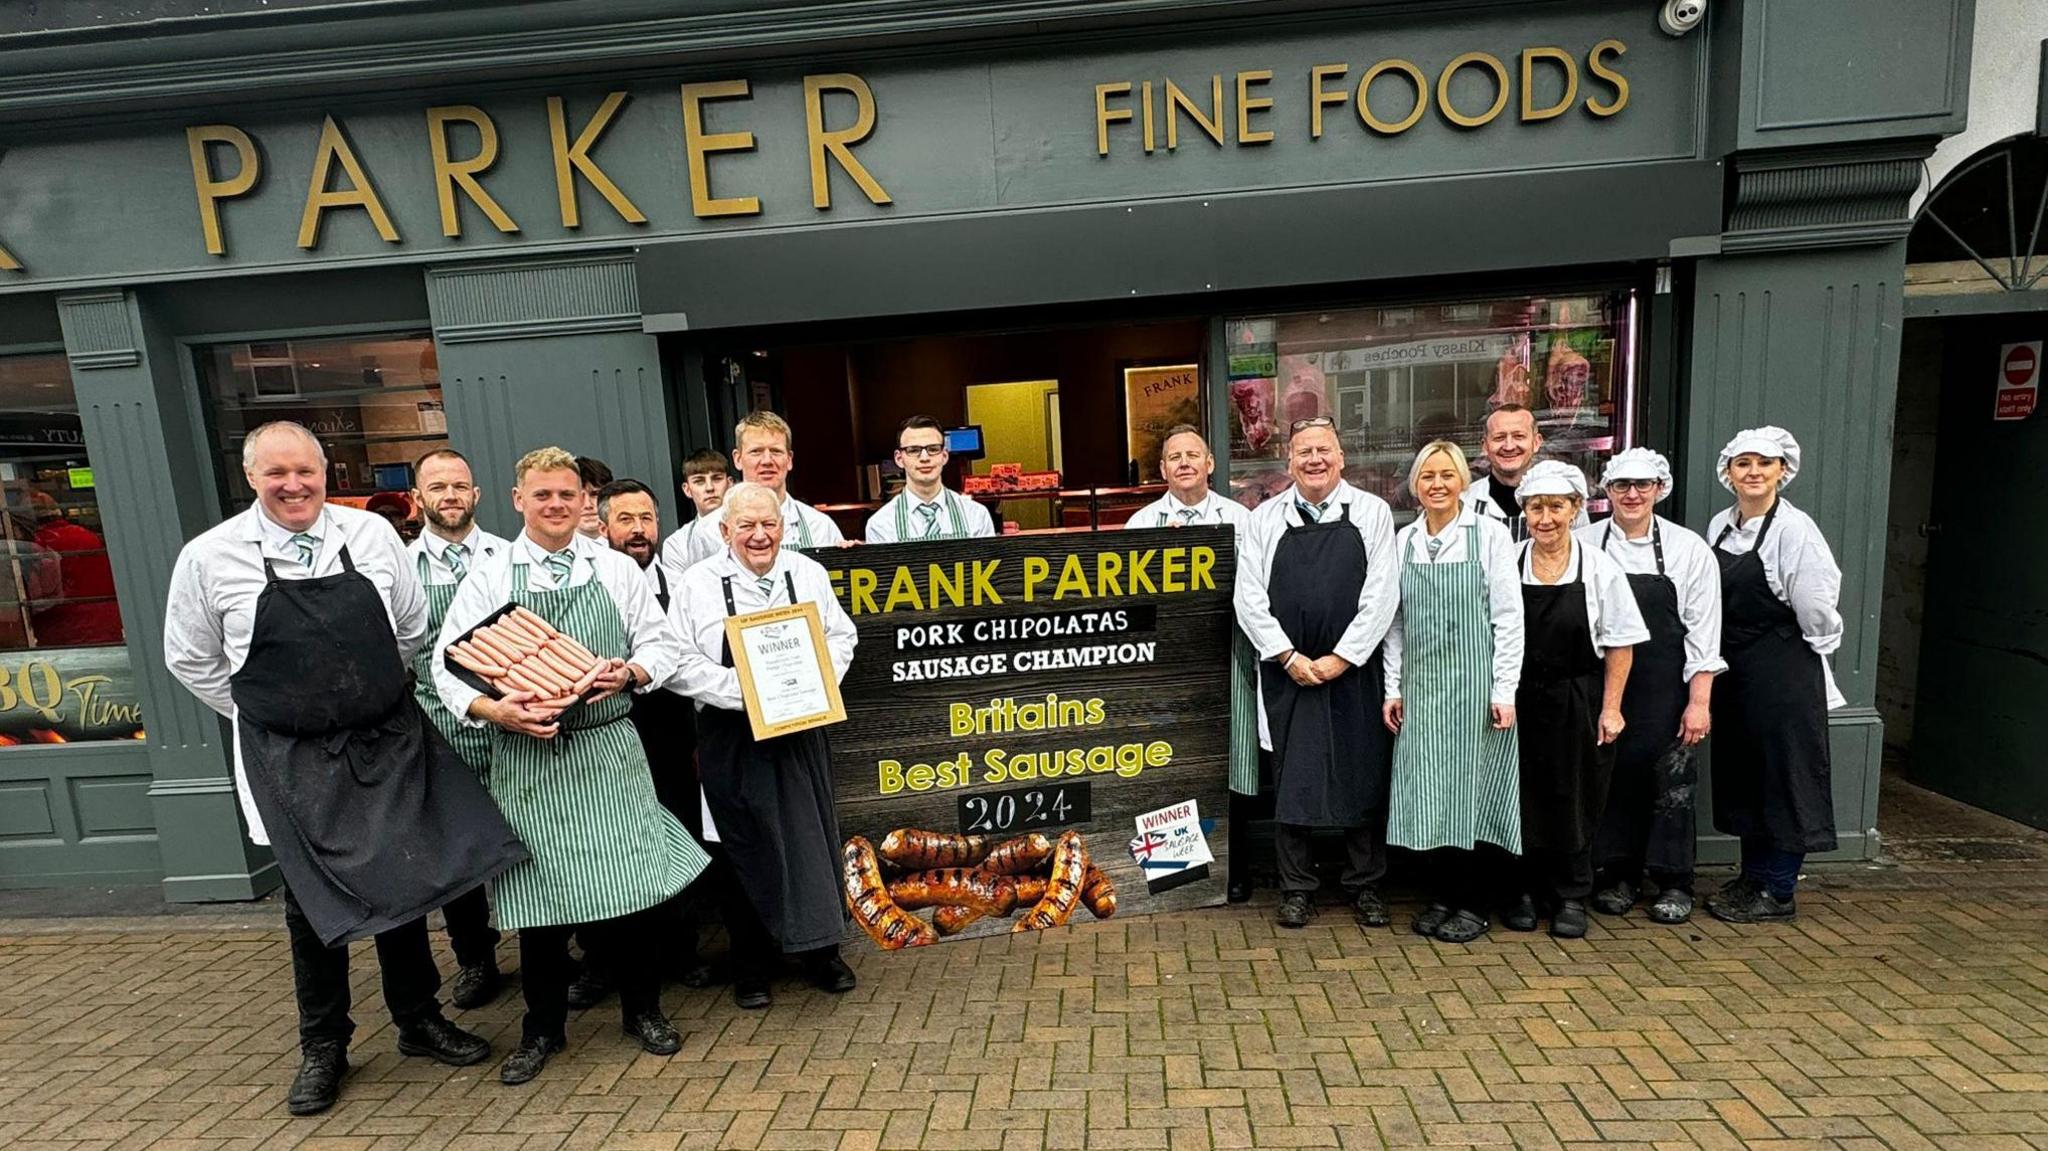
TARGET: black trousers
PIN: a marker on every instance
(469, 928)
(627, 944)
(1365, 855)
(1558, 875)
(754, 954)
(1469, 879)
(405, 959)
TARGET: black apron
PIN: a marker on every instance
(1332, 755)
(667, 723)
(1771, 772)
(1650, 819)
(373, 818)
(773, 804)
(1565, 768)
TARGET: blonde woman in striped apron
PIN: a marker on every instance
(925, 509)
(574, 784)
(449, 544)
(1186, 464)
(1453, 660)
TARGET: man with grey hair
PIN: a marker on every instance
(769, 802)
(295, 620)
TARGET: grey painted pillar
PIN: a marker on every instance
(1797, 324)
(132, 402)
(537, 352)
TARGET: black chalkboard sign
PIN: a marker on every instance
(1035, 685)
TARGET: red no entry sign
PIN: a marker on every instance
(2019, 381)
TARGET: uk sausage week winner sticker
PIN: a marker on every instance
(1170, 847)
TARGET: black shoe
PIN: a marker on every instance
(1615, 899)
(750, 993)
(1752, 904)
(830, 974)
(1462, 927)
(1430, 918)
(442, 1041)
(476, 985)
(1672, 906)
(697, 973)
(1370, 908)
(322, 1063)
(525, 1063)
(1295, 910)
(1240, 889)
(1569, 920)
(1520, 915)
(656, 1034)
(589, 989)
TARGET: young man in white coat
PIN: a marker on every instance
(295, 620)
(765, 455)
(925, 509)
(1317, 587)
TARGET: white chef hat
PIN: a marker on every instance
(1769, 441)
(1639, 464)
(1551, 478)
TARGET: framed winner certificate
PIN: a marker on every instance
(785, 670)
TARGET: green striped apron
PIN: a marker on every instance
(803, 529)
(473, 744)
(959, 529)
(1456, 780)
(583, 802)
(1244, 714)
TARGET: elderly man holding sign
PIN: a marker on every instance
(770, 800)
(560, 627)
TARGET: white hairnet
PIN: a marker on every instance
(1551, 478)
(1769, 441)
(1639, 464)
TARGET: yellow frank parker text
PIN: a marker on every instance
(964, 583)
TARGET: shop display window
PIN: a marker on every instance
(374, 401)
(1395, 378)
(64, 673)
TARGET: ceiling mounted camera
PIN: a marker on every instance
(1677, 17)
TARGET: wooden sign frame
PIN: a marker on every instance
(736, 626)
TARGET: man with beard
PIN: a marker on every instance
(449, 543)
(1511, 443)
(765, 455)
(667, 722)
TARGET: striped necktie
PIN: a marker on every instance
(766, 585)
(929, 513)
(558, 565)
(457, 556)
(309, 546)
(1189, 515)
(1311, 513)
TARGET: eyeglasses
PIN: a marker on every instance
(1632, 485)
(1311, 422)
(923, 450)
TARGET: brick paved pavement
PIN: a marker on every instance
(1907, 1009)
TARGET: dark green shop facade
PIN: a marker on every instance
(613, 226)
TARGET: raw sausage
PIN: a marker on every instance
(535, 622)
(482, 643)
(462, 654)
(891, 927)
(913, 850)
(955, 886)
(1063, 890)
(1098, 894)
(1019, 856)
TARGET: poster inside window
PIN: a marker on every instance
(64, 674)
(373, 400)
(1395, 378)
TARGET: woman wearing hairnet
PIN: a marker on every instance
(1581, 625)
(1779, 589)
(1649, 823)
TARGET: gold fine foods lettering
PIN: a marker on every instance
(1033, 579)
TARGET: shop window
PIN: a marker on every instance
(64, 674)
(1394, 378)
(374, 401)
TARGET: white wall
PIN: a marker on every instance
(2005, 83)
